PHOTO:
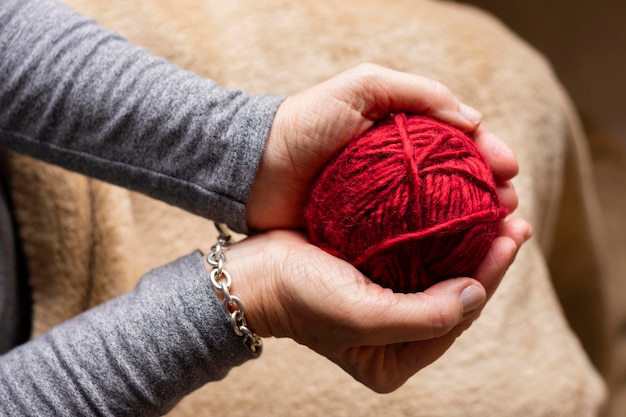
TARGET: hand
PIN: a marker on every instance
(291, 288)
(310, 127)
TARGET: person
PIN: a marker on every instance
(75, 94)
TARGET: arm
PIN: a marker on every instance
(142, 352)
(77, 95)
(106, 118)
(138, 354)
(293, 289)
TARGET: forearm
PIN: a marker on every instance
(80, 96)
(138, 354)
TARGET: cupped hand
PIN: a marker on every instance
(310, 127)
(291, 288)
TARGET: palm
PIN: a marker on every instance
(299, 291)
(385, 368)
(379, 337)
(312, 126)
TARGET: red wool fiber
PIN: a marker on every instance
(409, 203)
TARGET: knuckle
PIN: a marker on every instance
(367, 68)
(440, 91)
(368, 73)
(442, 320)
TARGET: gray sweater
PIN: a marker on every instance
(77, 95)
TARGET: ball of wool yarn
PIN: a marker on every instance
(409, 203)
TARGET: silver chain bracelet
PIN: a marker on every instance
(221, 282)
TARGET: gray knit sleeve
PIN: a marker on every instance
(138, 354)
(77, 95)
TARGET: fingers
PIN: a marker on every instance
(502, 253)
(393, 91)
(503, 164)
(379, 337)
(442, 307)
(389, 318)
(500, 157)
(507, 195)
(518, 230)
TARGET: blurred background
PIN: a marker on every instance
(586, 43)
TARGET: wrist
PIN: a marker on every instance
(221, 282)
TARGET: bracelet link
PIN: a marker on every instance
(221, 282)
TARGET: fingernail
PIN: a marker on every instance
(470, 113)
(472, 297)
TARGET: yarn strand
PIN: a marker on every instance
(409, 203)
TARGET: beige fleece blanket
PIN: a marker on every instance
(87, 241)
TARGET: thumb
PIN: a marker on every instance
(397, 318)
(378, 91)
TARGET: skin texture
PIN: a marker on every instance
(293, 289)
(310, 127)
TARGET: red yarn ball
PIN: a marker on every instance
(409, 203)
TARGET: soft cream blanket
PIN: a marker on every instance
(87, 241)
